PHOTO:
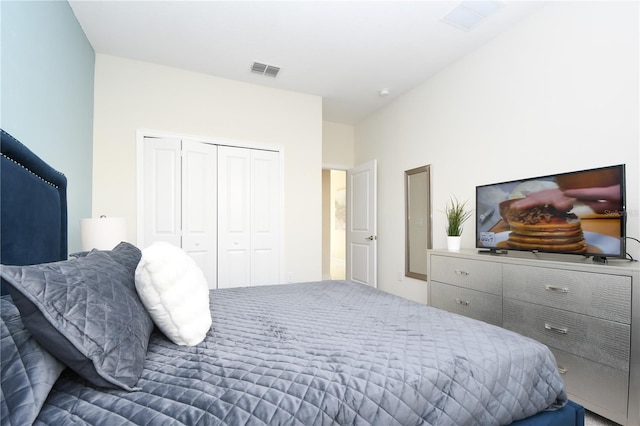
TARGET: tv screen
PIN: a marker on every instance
(580, 212)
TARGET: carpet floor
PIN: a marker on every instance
(592, 419)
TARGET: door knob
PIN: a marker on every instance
(371, 238)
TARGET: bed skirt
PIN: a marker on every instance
(571, 414)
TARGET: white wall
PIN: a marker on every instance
(132, 95)
(557, 92)
(337, 145)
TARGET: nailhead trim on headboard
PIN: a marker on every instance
(39, 177)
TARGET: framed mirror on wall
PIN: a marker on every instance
(417, 196)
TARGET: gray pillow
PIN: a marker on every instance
(86, 312)
(28, 371)
(128, 256)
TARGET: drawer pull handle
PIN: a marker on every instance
(462, 302)
(556, 289)
(562, 370)
(459, 272)
(561, 330)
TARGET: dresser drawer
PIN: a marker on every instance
(602, 341)
(473, 274)
(599, 295)
(603, 387)
(474, 304)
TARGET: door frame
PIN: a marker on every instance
(325, 230)
(142, 133)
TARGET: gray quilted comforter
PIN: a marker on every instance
(325, 353)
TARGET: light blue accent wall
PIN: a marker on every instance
(46, 79)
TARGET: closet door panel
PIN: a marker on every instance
(199, 205)
(162, 191)
(234, 222)
(221, 204)
(265, 217)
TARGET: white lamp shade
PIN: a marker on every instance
(103, 233)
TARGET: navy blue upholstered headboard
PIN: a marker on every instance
(33, 207)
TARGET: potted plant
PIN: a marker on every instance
(457, 214)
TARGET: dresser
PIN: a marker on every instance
(588, 315)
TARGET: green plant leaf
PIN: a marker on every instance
(457, 214)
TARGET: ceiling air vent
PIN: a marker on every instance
(468, 14)
(264, 69)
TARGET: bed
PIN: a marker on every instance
(80, 345)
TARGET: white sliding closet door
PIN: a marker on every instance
(180, 185)
(248, 217)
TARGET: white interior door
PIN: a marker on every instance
(362, 224)
(180, 184)
(248, 217)
(234, 220)
(265, 217)
(199, 206)
(162, 191)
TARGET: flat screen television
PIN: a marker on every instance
(581, 212)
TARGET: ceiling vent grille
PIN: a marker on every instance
(468, 14)
(264, 69)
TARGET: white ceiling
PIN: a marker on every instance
(344, 51)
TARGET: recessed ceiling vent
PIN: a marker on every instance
(264, 69)
(468, 14)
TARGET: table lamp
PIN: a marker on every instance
(102, 233)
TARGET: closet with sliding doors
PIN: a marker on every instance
(220, 203)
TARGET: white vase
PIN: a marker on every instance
(453, 243)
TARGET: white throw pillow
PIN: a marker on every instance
(174, 291)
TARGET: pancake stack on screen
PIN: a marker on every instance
(542, 228)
